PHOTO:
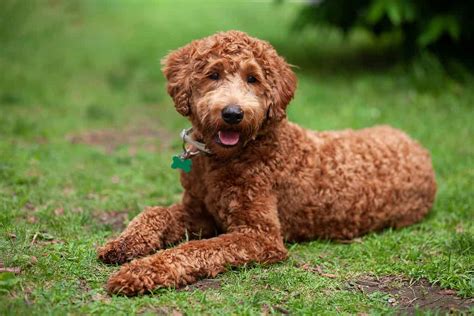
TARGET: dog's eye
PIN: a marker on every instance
(251, 79)
(214, 76)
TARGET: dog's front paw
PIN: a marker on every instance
(135, 279)
(114, 251)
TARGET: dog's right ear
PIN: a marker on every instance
(177, 68)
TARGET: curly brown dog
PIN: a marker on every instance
(265, 180)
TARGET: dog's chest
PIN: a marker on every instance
(226, 193)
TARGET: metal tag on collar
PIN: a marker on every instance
(180, 162)
(183, 161)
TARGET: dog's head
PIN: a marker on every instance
(231, 86)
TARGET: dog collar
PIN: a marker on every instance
(183, 161)
(187, 139)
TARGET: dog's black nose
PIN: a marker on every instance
(232, 114)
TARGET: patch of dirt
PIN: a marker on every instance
(273, 309)
(29, 213)
(168, 311)
(202, 285)
(83, 285)
(99, 297)
(408, 296)
(59, 211)
(115, 219)
(27, 295)
(137, 138)
(30, 207)
(31, 219)
(33, 261)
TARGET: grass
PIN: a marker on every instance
(69, 68)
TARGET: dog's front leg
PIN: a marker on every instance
(255, 238)
(156, 227)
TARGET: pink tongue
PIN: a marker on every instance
(229, 137)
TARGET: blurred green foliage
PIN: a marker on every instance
(445, 27)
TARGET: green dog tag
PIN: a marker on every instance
(181, 163)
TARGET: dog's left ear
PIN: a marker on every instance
(283, 86)
(177, 68)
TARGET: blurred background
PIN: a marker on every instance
(87, 132)
(80, 64)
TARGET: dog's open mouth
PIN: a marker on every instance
(228, 138)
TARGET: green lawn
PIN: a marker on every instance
(87, 133)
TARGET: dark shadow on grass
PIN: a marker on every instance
(347, 57)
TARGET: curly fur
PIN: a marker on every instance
(279, 183)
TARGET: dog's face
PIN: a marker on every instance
(231, 86)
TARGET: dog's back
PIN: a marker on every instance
(347, 183)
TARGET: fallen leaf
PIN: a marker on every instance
(176, 313)
(280, 309)
(77, 210)
(15, 270)
(34, 238)
(68, 191)
(310, 268)
(328, 275)
(59, 211)
(459, 228)
(33, 260)
(31, 219)
(45, 238)
(203, 285)
(29, 206)
(316, 269)
(357, 240)
(115, 179)
(92, 196)
(27, 295)
(447, 292)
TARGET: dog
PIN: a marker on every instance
(259, 180)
